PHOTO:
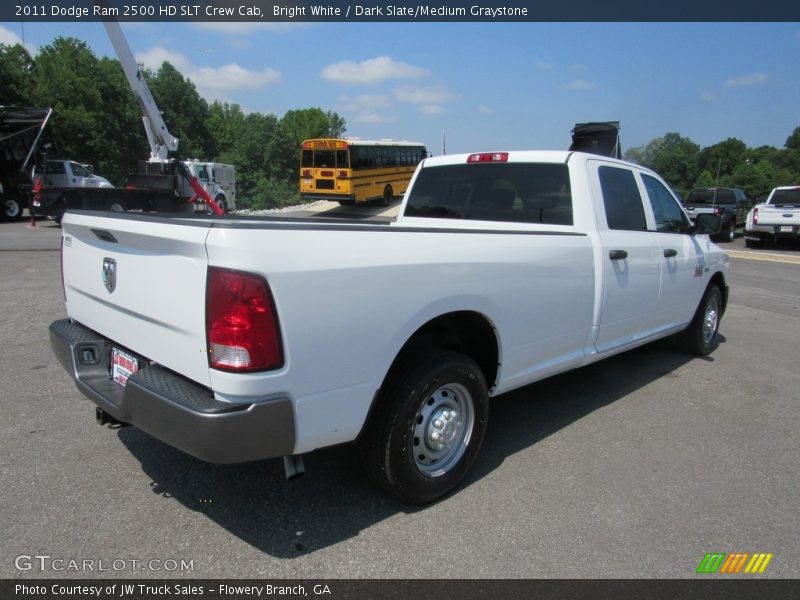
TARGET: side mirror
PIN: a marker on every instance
(708, 224)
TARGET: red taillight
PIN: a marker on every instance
(326, 173)
(342, 174)
(485, 157)
(306, 172)
(755, 216)
(241, 323)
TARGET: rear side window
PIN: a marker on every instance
(508, 192)
(621, 198)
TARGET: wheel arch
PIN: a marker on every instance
(469, 332)
(718, 279)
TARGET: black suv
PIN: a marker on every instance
(731, 204)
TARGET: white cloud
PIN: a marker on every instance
(210, 80)
(484, 110)
(8, 37)
(153, 58)
(747, 80)
(579, 85)
(372, 70)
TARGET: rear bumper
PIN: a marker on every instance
(174, 410)
(761, 232)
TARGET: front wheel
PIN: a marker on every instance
(699, 337)
(428, 425)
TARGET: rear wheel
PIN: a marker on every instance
(116, 207)
(388, 196)
(12, 209)
(220, 200)
(728, 232)
(428, 425)
(700, 336)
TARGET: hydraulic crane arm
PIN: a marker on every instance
(159, 137)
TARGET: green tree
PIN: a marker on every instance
(793, 141)
(705, 180)
(724, 157)
(296, 126)
(673, 157)
(65, 79)
(15, 74)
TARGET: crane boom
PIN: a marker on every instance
(159, 137)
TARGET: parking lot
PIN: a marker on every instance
(633, 467)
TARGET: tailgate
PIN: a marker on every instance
(776, 215)
(153, 304)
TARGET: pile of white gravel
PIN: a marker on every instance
(286, 209)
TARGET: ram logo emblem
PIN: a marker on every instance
(110, 274)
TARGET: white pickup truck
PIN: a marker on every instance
(778, 217)
(68, 173)
(242, 339)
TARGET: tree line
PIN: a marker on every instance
(96, 119)
(730, 163)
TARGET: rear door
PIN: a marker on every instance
(632, 261)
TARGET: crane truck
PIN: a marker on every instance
(162, 183)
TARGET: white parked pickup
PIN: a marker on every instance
(778, 217)
(242, 339)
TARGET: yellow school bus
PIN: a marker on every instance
(355, 170)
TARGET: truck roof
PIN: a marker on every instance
(540, 156)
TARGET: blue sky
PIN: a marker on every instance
(487, 86)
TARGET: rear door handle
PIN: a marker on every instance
(617, 254)
(670, 252)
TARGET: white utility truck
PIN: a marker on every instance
(502, 269)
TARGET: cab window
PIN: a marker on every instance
(668, 215)
(621, 198)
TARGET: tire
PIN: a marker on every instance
(388, 196)
(12, 209)
(728, 232)
(220, 200)
(116, 207)
(699, 338)
(428, 425)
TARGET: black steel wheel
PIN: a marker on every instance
(428, 426)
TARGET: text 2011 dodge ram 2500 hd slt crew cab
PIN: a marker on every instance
(242, 339)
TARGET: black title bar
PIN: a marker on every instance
(401, 11)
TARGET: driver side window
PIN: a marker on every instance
(669, 216)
